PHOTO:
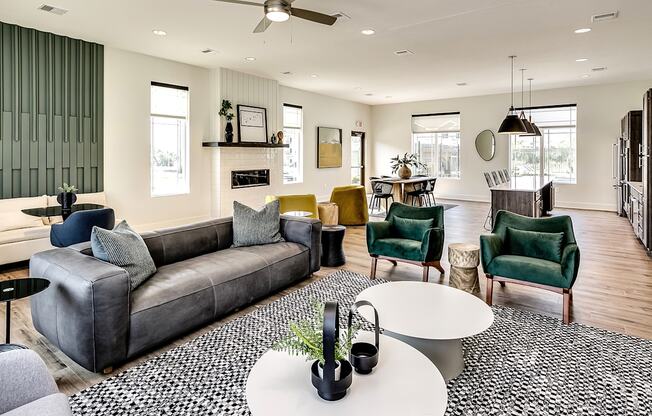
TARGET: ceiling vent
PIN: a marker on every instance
(51, 9)
(599, 69)
(208, 51)
(596, 18)
(403, 52)
(286, 72)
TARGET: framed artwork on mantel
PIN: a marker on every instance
(329, 148)
(252, 124)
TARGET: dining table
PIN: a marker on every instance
(400, 186)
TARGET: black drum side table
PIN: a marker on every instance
(15, 289)
(332, 254)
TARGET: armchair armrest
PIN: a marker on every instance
(375, 231)
(85, 311)
(570, 263)
(491, 245)
(306, 231)
(432, 244)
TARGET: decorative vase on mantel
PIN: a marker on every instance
(404, 172)
(228, 132)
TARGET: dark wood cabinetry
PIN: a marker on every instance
(635, 208)
(632, 132)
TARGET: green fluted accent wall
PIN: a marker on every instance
(51, 121)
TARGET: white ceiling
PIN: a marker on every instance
(453, 41)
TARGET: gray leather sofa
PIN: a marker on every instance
(27, 388)
(91, 315)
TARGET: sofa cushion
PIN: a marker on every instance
(410, 228)
(398, 247)
(537, 244)
(125, 248)
(252, 227)
(530, 269)
(52, 405)
(16, 220)
(15, 205)
(25, 234)
(288, 262)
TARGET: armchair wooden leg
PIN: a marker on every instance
(374, 263)
(394, 262)
(490, 289)
(502, 284)
(566, 308)
(107, 370)
(426, 270)
(438, 267)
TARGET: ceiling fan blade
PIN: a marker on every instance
(324, 19)
(262, 25)
(246, 3)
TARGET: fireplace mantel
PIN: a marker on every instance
(234, 144)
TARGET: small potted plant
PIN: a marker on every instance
(67, 196)
(226, 112)
(401, 164)
(305, 338)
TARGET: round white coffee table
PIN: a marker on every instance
(433, 318)
(404, 382)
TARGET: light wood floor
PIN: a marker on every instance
(613, 290)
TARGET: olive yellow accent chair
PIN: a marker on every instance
(295, 203)
(538, 252)
(352, 203)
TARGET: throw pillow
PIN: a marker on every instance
(17, 220)
(251, 227)
(540, 245)
(125, 248)
(410, 228)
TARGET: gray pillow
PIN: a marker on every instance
(251, 227)
(125, 248)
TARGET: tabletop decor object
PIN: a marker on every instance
(67, 196)
(401, 164)
(363, 355)
(225, 112)
(318, 338)
(279, 136)
(252, 124)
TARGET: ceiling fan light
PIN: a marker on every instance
(277, 15)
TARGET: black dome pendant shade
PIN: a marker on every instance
(512, 123)
(537, 132)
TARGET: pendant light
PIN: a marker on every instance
(537, 131)
(526, 122)
(512, 123)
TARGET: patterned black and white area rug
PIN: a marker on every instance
(525, 364)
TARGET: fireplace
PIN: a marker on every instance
(249, 178)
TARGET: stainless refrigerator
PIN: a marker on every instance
(618, 175)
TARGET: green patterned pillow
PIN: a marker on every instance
(409, 228)
(540, 245)
(124, 248)
(252, 228)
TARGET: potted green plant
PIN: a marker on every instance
(401, 165)
(305, 338)
(225, 112)
(67, 196)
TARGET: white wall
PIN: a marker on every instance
(127, 78)
(599, 110)
(324, 111)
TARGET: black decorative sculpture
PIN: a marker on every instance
(327, 387)
(364, 356)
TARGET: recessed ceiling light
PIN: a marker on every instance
(582, 30)
(581, 59)
(159, 32)
(314, 76)
(599, 68)
(52, 9)
(368, 32)
(403, 52)
(586, 76)
(250, 58)
(208, 50)
(461, 84)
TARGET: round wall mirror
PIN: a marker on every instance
(485, 144)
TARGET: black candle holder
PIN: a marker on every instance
(363, 355)
(327, 387)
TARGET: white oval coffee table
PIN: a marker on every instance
(433, 318)
(404, 382)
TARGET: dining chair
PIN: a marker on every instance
(488, 219)
(494, 175)
(489, 179)
(381, 191)
(508, 178)
(502, 176)
(430, 191)
(417, 194)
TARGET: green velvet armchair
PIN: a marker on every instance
(539, 252)
(409, 234)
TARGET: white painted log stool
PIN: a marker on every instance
(464, 259)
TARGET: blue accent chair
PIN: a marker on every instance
(78, 226)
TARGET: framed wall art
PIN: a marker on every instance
(329, 147)
(252, 124)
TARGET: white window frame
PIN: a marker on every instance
(436, 137)
(541, 143)
(298, 146)
(184, 189)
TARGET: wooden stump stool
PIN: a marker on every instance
(328, 213)
(464, 259)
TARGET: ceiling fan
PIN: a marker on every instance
(281, 10)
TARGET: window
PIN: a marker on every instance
(436, 142)
(293, 136)
(555, 153)
(169, 140)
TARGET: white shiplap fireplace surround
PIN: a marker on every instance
(243, 89)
